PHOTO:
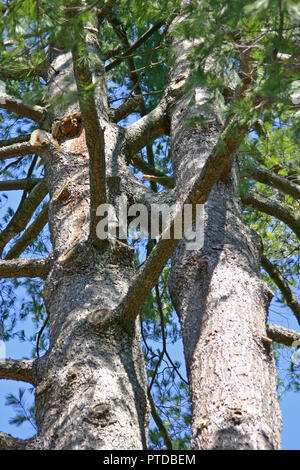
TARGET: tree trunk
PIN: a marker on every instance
(92, 382)
(220, 299)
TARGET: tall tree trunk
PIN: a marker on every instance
(220, 299)
(92, 382)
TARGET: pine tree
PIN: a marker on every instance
(208, 116)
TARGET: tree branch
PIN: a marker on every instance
(19, 369)
(159, 423)
(8, 442)
(145, 167)
(283, 286)
(15, 74)
(111, 53)
(13, 185)
(282, 335)
(15, 140)
(105, 11)
(147, 128)
(20, 149)
(36, 113)
(93, 131)
(270, 178)
(271, 208)
(25, 267)
(23, 214)
(30, 234)
(134, 46)
(167, 181)
(125, 109)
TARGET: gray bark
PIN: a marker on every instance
(221, 301)
(91, 391)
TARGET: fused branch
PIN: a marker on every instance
(272, 208)
(283, 286)
(19, 369)
(36, 113)
(25, 267)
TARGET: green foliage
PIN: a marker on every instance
(160, 330)
(277, 150)
(234, 41)
(238, 41)
(24, 413)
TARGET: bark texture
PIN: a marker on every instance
(91, 391)
(221, 301)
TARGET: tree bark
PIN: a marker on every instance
(220, 299)
(91, 391)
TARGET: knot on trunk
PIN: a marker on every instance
(100, 317)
